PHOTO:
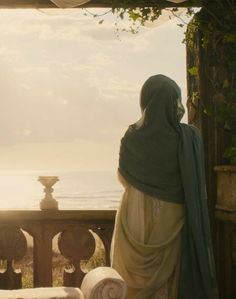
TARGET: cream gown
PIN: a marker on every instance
(146, 244)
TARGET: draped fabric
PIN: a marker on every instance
(149, 149)
(74, 3)
(69, 3)
(177, 1)
(164, 159)
(198, 278)
(145, 249)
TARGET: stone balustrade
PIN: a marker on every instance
(76, 242)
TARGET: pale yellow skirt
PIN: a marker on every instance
(146, 245)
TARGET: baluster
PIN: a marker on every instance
(75, 244)
(42, 236)
(105, 234)
(13, 246)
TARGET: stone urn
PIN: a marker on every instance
(48, 202)
(226, 187)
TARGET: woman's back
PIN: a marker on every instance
(161, 163)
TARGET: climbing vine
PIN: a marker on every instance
(217, 24)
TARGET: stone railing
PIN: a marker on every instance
(75, 242)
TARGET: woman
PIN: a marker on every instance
(161, 242)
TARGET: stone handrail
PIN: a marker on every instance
(75, 242)
(100, 283)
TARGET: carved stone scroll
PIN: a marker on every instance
(13, 246)
(75, 244)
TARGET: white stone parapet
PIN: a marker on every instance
(100, 283)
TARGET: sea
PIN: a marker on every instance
(74, 191)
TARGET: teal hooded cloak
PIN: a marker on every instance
(164, 158)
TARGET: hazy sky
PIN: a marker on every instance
(70, 87)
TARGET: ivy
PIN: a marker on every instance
(218, 27)
(217, 23)
(193, 71)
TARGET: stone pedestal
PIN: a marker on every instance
(48, 202)
(226, 188)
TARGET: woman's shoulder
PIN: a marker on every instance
(191, 129)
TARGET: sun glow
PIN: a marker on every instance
(69, 90)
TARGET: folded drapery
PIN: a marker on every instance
(69, 3)
(74, 3)
(103, 282)
(177, 1)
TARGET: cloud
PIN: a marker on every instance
(24, 86)
(76, 155)
(68, 82)
(9, 55)
(31, 69)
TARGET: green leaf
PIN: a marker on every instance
(227, 125)
(134, 15)
(193, 71)
(226, 83)
(229, 38)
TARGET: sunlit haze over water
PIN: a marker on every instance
(69, 89)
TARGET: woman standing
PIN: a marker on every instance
(161, 242)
